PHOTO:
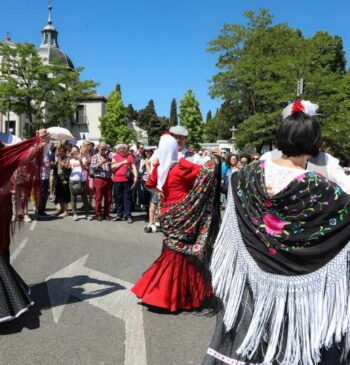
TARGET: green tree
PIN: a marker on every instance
(260, 64)
(25, 82)
(118, 89)
(68, 92)
(191, 118)
(173, 113)
(226, 117)
(39, 91)
(210, 128)
(165, 122)
(113, 124)
(149, 120)
(131, 113)
(335, 118)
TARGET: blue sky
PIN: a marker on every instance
(156, 49)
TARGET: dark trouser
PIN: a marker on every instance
(84, 197)
(145, 195)
(45, 184)
(103, 189)
(122, 197)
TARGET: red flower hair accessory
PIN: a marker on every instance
(297, 106)
(304, 106)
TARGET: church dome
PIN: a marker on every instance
(53, 55)
(49, 50)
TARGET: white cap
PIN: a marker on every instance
(179, 130)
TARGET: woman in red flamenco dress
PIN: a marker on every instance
(179, 279)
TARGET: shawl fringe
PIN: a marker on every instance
(28, 155)
(301, 313)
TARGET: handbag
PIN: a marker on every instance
(76, 186)
(91, 172)
(129, 174)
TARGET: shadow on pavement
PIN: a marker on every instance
(40, 295)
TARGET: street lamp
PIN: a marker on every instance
(300, 87)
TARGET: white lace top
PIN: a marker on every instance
(279, 176)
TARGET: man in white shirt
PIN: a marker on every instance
(180, 133)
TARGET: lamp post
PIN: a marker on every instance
(300, 87)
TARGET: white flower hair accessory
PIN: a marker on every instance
(304, 106)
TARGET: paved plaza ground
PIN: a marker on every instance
(80, 274)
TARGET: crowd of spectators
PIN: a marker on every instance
(106, 181)
(109, 182)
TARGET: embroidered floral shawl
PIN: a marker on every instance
(190, 227)
(292, 252)
(296, 231)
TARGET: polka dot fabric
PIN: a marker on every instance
(14, 293)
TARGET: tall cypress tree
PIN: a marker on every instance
(173, 113)
(149, 120)
(209, 117)
(131, 113)
(118, 89)
(211, 128)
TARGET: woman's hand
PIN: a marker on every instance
(216, 151)
(135, 182)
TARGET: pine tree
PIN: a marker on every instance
(191, 118)
(113, 124)
(173, 113)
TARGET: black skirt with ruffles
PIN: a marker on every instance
(14, 292)
(223, 346)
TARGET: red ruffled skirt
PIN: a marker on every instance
(174, 282)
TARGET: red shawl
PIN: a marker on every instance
(29, 154)
(18, 154)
